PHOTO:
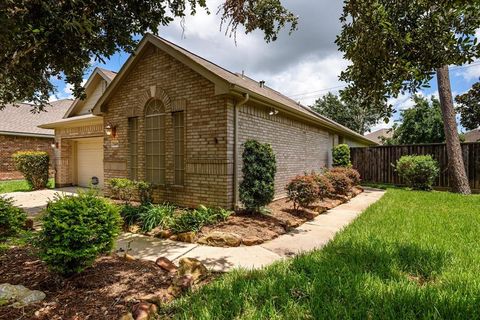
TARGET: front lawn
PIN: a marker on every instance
(410, 255)
(20, 185)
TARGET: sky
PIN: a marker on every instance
(304, 65)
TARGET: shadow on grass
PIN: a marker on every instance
(345, 280)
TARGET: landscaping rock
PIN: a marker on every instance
(186, 237)
(221, 239)
(127, 316)
(133, 228)
(181, 284)
(144, 311)
(164, 234)
(154, 232)
(128, 257)
(193, 268)
(251, 241)
(166, 264)
(19, 295)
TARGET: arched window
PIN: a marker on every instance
(155, 142)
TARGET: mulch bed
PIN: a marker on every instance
(105, 291)
(281, 219)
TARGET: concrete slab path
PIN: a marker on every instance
(35, 201)
(311, 235)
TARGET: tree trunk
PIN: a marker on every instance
(456, 167)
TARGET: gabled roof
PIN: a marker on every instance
(19, 120)
(105, 74)
(227, 82)
(375, 135)
(472, 136)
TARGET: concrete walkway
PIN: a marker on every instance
(35, 201)
(311, 235)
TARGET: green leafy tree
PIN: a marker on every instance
(469, 107)
(422, 123)
(43, 40)
(398, 46)
(351, 114)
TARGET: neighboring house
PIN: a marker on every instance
(472, 136)
(19, 131)
(378, 134)
(179, 121)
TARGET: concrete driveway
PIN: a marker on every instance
(35, 201)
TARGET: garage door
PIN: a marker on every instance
(90, 161)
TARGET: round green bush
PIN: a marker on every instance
(76, 229)
(34, 167)
(341, 156)
(303, 191)
(257, 188)
(12, 219)
(419, 172)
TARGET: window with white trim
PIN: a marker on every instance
(155, 142)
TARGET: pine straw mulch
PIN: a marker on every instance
(282, 218)
(104, 291)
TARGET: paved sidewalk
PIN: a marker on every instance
(34, 201)
(311, 235)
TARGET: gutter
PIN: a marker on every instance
(26, 134)
(314, 118)
(236, 160)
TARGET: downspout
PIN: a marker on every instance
(236, 161)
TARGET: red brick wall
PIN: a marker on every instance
(11, 144)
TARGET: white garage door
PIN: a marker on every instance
(90, 161)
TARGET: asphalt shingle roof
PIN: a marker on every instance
(19, 119)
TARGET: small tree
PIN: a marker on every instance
(34, 167)
(259, 167)
(341, 156)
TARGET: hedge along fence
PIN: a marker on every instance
(376, 164)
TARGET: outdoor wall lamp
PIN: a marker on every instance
(273, 112)
(55, 145)
(111, 130)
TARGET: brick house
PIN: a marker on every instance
(179, 121)
(19, 131)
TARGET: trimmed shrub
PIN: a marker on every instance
(152, 216)
(76, 229)
(12, 219)
(259, 168)
(303, 191)
(194, 220)
(145, 192)
(122, 188)
(419, 172)
(340, 182)
(325, 187)
(34, 167)
(341, 156)
(351, 173)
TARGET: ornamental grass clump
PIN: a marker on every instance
(76, 230)
(419, 172)
(34, 167)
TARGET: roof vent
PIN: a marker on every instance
(262, 84)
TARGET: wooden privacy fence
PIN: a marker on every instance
(376, 164)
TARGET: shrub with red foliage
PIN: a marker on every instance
(351, 173)
(341, 183)
(302, 191)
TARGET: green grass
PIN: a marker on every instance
(411, 255)
(20, 185)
